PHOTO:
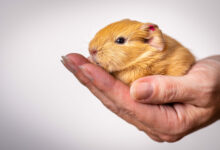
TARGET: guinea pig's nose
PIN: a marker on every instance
(93, 52)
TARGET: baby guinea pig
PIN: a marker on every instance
(130, 50)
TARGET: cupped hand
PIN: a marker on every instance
(164, 107)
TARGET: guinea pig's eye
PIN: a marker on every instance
(120, 40)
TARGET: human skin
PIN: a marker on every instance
(166, 108)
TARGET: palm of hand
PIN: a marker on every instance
(177, 106)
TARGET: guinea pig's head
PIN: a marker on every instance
(122, 43)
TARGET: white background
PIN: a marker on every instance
(43, 107)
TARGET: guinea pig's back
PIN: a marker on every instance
(179, 59)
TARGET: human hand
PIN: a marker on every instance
(166, 108)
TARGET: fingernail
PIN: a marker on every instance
(86, 72)
(141, 91)
(68, 64)
(62, 62)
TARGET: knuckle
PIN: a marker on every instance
(207, 94)
(126, 111)
(110, 106)
(165, 90)
(86, 82)
(208, 86)
(180, 125)
(170, 138)
(156, 139)
(140, 128)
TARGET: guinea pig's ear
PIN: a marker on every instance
(154, 37)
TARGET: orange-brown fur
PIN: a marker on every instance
(136, 58)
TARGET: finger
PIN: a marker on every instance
(151, 133)
(160, 89)
(80, 60)
(77, 59)
(115, 90)
(90, 74)
(105, 101)
(112, 94)
(101, 83)
(153, 116)
(72, 67)
(107, 84)
(155, 138)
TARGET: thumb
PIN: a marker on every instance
(160, 89)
